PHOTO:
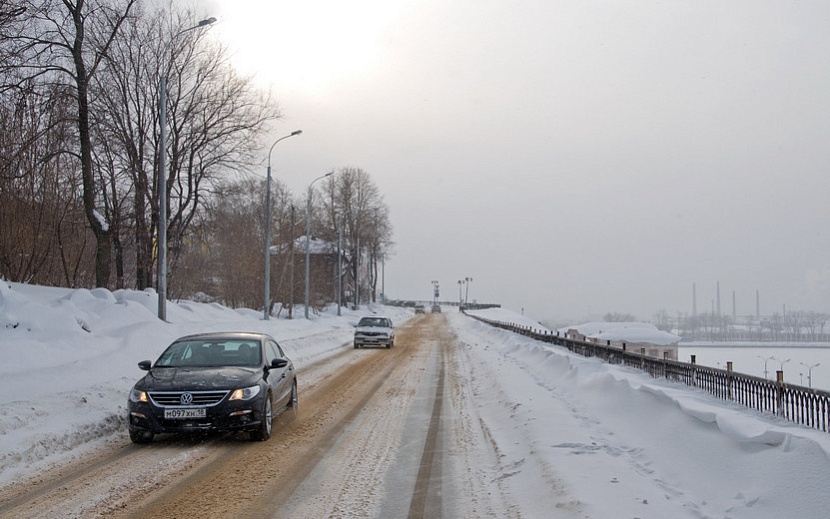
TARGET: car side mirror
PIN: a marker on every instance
(279, 363)
(145, 365)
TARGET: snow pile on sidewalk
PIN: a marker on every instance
(606, 440)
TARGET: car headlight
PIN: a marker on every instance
(245, 394)
(136, 395)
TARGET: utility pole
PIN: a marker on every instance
(757, 305)
(291, 275)
(339, 263)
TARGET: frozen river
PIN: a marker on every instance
(749, 358)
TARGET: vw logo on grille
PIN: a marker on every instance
(186, 399)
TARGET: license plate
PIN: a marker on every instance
(183, 414)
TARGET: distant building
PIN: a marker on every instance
(635, 336)
(288, 266)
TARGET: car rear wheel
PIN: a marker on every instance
(264, 430)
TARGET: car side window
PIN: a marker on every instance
(272, 351)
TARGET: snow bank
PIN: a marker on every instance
(621, 444)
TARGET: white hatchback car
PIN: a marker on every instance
(376, 330)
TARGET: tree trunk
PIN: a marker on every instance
(99, 229)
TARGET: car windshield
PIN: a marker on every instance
(211, 353)
(373, 321)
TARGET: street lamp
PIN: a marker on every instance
(162, 189)
(460, 299)
(782, 364)
(765, 359)
(308, 239)
(467, 290)
(267, 299)
(810, 372)
(339, 263)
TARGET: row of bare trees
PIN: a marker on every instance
(794, 326)
(79, 149)
(224, 253)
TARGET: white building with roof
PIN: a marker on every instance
(632, 336)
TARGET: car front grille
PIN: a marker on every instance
(195, 398)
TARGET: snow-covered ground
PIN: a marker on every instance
(622, 444)
(611, 440)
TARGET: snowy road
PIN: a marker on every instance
(367, 443)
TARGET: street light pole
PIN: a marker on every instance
(467, 290)
(339, 263)
(357, 273)
(267, 299)
(308, 240)
(810, 372)
(765, 359)
(162, 187)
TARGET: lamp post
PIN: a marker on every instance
(357, 272)
(467, 290)
(339, 263)
(810, 372)
(460, 299)
(766, 359)
(782, 364)
(267, 299)
(162, 188)
(308, 240)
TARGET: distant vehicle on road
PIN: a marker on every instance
(419, 309)
(235, 381)
(436, 309)
(374, 330)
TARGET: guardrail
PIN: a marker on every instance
(798, 404)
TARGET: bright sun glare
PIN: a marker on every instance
(303, 44)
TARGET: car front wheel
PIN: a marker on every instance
(140, 437)
(294, 403)
(264, 431)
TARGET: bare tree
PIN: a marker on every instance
(663, 320)
(42, 235)
(215, 121)
(224, 255)
(353, 199)
(63, 42)
(617, 317)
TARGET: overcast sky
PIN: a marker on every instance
(573, 157)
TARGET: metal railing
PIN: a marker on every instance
(798, 404)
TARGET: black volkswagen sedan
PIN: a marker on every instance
(237, 381)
